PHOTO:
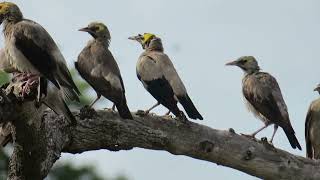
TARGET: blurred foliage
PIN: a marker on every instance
(83, 86)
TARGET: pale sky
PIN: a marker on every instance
(200, 37)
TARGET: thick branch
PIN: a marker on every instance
(38, 144)
(107, 131)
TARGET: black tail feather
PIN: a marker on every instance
(292, 137)
(189, 107)
(123, 110)
(68, 114)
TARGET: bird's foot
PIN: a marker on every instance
(267, 144)
(28, 85)
(142, 113)
(167, 116)
(87, 112)
(182, 118)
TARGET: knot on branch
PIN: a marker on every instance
(206, 146)
(249, 154)
(232, 131)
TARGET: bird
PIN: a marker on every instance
(312, 124)
(264, 98)
(31, 50)
(98, 67)
(160, 78)
(53, 99)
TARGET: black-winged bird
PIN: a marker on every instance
(159, 77)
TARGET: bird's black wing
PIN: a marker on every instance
(38, 56)
(151, 75)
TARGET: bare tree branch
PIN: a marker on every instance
(39, 143)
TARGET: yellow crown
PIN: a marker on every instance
(147, 37)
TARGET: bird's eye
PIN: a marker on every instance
(94, 28)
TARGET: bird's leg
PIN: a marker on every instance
(98, 97)
(256, 132)
(154, 106)
(143, 113)
(274, 133)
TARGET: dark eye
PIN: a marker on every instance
(94, 28)
(243, 61)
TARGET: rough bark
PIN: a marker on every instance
(39, 140)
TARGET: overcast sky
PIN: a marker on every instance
(200, 37)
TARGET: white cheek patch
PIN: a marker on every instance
(113, 80)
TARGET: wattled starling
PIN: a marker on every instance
(312, 130)
(31, 50)
(263, 97)
(53, 97)
(99, 68)
(159, 77)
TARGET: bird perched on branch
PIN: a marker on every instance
(53, 99)
(263, 97)
(312, 132)
(159, 77)
(31, 50)
(99, 68)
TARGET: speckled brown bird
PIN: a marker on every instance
(312, 128)
(159, 77)
(99, 68)
(263, 97)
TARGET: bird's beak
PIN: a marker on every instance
(86, 29)
(135, 38)
(232, 63)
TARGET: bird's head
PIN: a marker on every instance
(247, 63)
(144, 39)
(97, 30)
(9, 11)
(317, 88)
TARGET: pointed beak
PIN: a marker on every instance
(133, 38)
(86, 29)
(232, 63)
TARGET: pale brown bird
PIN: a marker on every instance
(312, 128)
(263, 97)
(99, 68)
(31, 50)
(159, 77)
(53, 97)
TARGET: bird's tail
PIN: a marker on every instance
(123, 110)
(56, 103)
(69, 94)
(189, 107)
(291, 137)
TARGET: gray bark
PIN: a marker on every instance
(39, 140)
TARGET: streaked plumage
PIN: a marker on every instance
(98, 67)
(263, 96)
(159, 77)
(312, 129)
(30, 49)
